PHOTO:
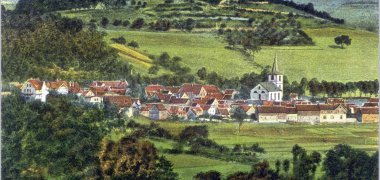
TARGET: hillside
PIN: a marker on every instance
(357, 13)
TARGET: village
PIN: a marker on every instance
(192, 101)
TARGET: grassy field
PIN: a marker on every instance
(277, 140)
(355, 62)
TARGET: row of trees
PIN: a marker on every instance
(309, 8)
(35, 7)
(337, 89)
(341, 162)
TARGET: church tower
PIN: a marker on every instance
(275, 76)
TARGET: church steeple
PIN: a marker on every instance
(275, 70)
(275, 76)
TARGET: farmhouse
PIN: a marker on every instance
(271, 114)
(124, 103)
(154, 111)
(272, 89)
(308, 113)
(368, 114)
(330, 113)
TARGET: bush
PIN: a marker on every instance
(104, 22)
(209, 175)
(169, 1)
(119, 40)
(133, 44)
(117, 22)
(138, 23)
(126, 23)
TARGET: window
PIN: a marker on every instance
(341, 116)
(262, 92)
(278, 96)
(272, 77)
(331, 117)
(259, 87)
(324, 117)
(279, 78)
(254, 91)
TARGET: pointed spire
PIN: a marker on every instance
(275, 69)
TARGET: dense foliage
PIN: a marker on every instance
(53, 47)
(59, 138)
(344, 162)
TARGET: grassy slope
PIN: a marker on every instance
(196, 50)
(356, 62)
(277, 139)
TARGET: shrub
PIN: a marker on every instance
(126, 23)
(117, 22)
(138, 23)
(119, 40)
(133, 44)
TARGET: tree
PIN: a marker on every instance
(278, 166)
(117, 22)
(191, 133)
(104, 22)
(209, 175)
(126, 23)
(119, 40)
(343, 40)
(344, 162)
(127, 159)
(239, 115)
(154, 69)
(202, 73)
(138, 23)
(133, 44)
(286, 165)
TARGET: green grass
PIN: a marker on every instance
(196, 50)
(277, 139)
(188, 165)
(355, 62)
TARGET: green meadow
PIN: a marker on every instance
(276, 139)
(324, 60)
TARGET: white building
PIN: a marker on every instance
(272, 90)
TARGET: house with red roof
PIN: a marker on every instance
(271, 114)
(123, 103)
(368, 114)
(190, 91)
(154, 111)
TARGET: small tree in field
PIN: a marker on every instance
(343, 40)
(239, 115)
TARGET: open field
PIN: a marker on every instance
(355, 62)
(277, 139)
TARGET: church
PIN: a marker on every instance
(272, 90)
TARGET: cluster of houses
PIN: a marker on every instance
(205, 102)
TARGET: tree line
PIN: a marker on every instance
(38, 7)
(309, 8)
(332, 89)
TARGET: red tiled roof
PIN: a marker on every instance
(173, 109)
(110, 84)
(327, 107)
(229, 91)
(119, 91)
(369, 110)
(193, 88)
(309, 107)
(373, 100)
(211, 89)
(178, 101)
(56, 84)
(371, 104)
(119, 101)
(159, 106)
(74, 87)
(154, 88)
(291, 110)
(271, 109)
(245, 107)
(227, 97)
(223, 111)
(173, 89)
(37, 84)
(218, 96)
(205, 107)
